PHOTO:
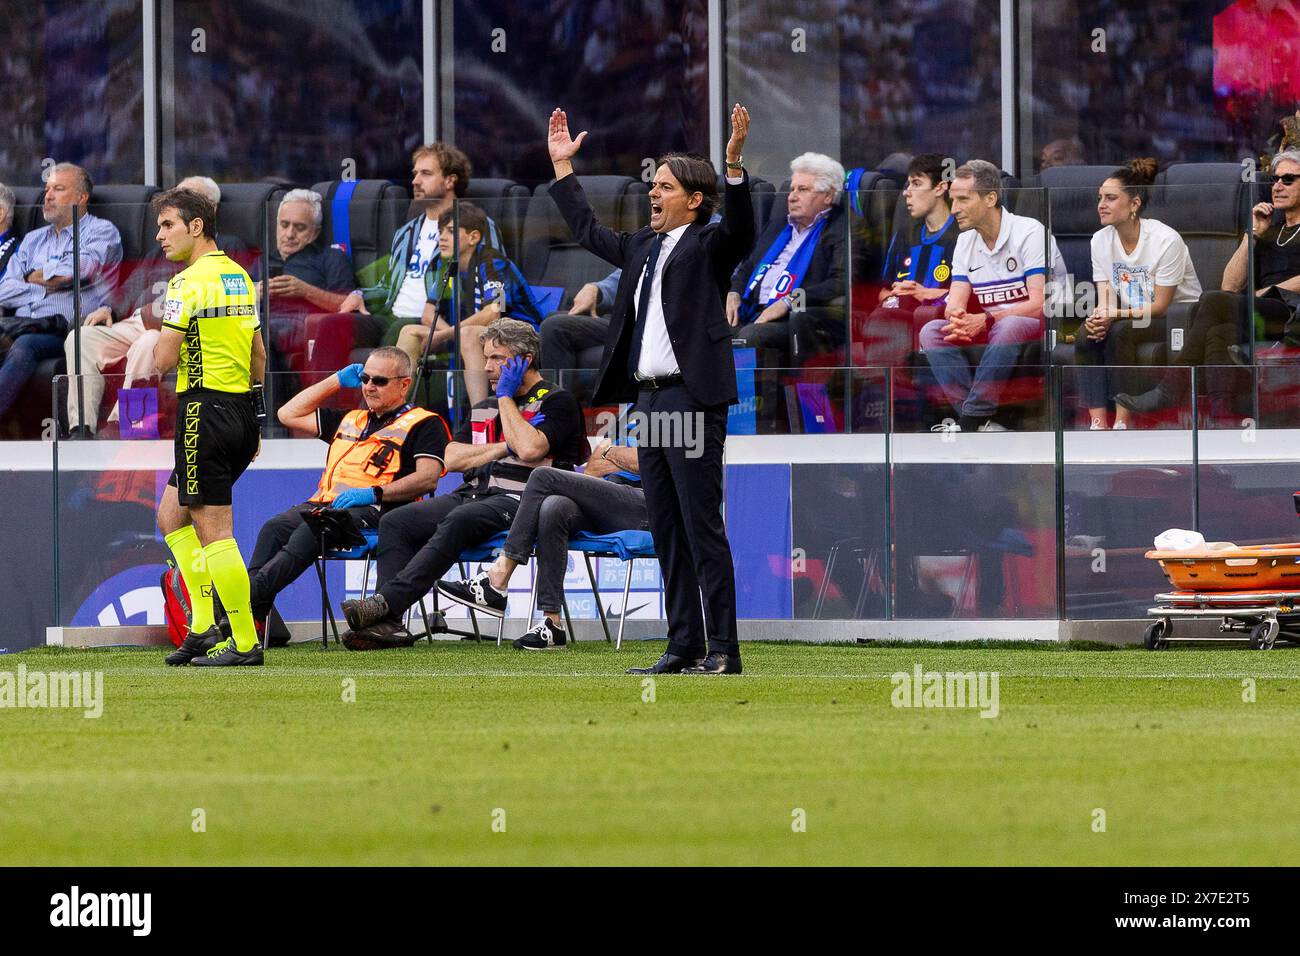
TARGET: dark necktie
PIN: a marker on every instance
(643, 304)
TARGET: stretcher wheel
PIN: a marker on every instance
(1263, 635)
(1157, 634)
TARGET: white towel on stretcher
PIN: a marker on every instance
(1178, 539)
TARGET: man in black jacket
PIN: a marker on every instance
(782, 294)
(669, 351)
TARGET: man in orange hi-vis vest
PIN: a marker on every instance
(380, 456)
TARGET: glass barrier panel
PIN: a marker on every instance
(974, 507)
(1122, 487)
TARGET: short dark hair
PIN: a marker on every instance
(189, 205)
(930, 165)
(451, 161)
(470, 217)
(697, 175)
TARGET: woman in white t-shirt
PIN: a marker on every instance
(1140, 267)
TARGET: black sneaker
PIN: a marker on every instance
(476, 593)
(227, 655)
(544, 637)
(379, 636)
(364, 612)
(194, 645)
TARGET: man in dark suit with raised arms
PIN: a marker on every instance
(669, 351)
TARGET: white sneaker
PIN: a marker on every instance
(1097, 425)
(1120, 427)
(991, 426)
(947, 425)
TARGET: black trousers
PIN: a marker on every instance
(1118, 354)
(556, 505)
(683, 494)
(422, 541)
(565, 337)
(286, 547)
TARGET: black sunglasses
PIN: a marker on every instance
(379, 381)
(1287, 179)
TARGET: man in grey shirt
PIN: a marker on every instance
(37, 282)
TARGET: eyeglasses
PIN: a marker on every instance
(1287, 179)
(379, 381)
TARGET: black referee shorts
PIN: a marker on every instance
(216, 439)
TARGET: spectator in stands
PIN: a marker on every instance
(529, 423)
(556, 505)
(404, 288)
(127, 325)
(780, 294)
(380, 456)
(566, 335)
(306, 276)
(1140, 267)
(37, 282)
(491, 286)
(918, 264)
(8, 237)
(1217, 322)
(1001, 260)
(1061, 152)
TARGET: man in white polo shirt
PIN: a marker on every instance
(1000, 261)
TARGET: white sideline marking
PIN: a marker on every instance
(881, 675)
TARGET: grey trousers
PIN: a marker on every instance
(555, 505)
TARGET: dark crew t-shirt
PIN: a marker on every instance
(1274, 262)
(563, 427)
(317, 265)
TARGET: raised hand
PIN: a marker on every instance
(561, 145)
(739, 131)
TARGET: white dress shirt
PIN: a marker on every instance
(657, 357)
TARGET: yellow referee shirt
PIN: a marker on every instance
(213, 305)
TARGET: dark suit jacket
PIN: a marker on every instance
(696, 278)
(824, 278)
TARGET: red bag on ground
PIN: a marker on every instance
(176, 604)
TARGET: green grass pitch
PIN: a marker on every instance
(455, 753)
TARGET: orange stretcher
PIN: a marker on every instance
(1252, 590)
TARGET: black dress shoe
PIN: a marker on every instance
(669, 664)
(716, 663)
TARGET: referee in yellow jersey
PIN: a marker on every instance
(210, 336)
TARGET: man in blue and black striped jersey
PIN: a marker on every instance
(918, 265)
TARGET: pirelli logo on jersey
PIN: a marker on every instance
(1002, 293)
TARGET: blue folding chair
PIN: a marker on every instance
(627, 546)
(487, 551)
(367, 551)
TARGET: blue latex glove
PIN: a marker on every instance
(350, 377)
(534, 421)
(512, 376)
(353, 497)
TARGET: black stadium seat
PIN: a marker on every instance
(763, 195)
(1209, 206)
(375, 210)
(506, 203)
(551, 257)
(248, 213)
(127, 207)
(27, 215)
